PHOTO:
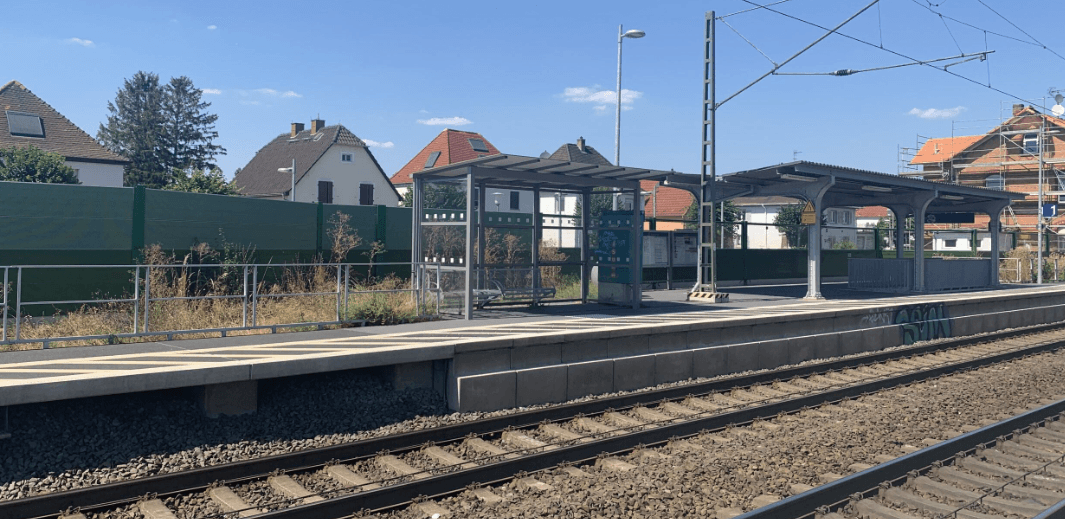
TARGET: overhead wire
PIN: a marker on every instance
(947, 27)
(1022, 30)
(722, 18)
(971, 25)
(755, 47)
(917, 61)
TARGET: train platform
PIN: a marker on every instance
(521, 356)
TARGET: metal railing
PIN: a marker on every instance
(196, 284)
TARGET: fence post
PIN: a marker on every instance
(4, 338)
(338, 293)
(147, 297)
(255, 295)
(18, 304)
(244, 301)
(347, 288)
(321, 229)
(139, 212)
(136, 298)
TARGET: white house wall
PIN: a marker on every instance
(346, 178)
(95, 174)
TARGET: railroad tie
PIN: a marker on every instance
(486, 496)
(349, 478)
(73, 515)
(764, 500)
(574, 472)
(870, 508)
(675, 408)
(858, 467)
(702, 404)
(1012, 447)
(1016, 462)
(828, 477)
(443, 457)
(290, 488)
(524, 441)
(229, 501)
(728, 513)
(482, 446)
(561, 433)
(1041, 444)
(650, 415)
(621, 420)
(432, 509)
(1048, 434)
(973, 482)
(907, 499)
(535, 485)
(883, 458)
(400, 467)
(958, 496)
(593, 426)
(155, 509)
(798, 488)
(614, 464)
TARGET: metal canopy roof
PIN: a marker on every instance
(852, 187)
(530, 172)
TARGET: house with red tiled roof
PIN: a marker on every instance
(664, 206)
(332, 166)
(1007, 157)
(26, 120)
(449, 147)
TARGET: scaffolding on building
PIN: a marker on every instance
(1023, 150)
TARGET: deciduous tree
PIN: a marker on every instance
(32, 164)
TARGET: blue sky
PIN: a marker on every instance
(532, 76)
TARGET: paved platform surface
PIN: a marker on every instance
(27, 375)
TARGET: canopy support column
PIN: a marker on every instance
(470, 239)
(920, 210)
(537, 231)
(815, 194)
(901, 212)
(636, 260)
(586, 253)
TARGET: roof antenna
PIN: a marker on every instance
(795, 155)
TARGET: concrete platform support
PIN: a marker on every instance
(417, 375)
(230, 398)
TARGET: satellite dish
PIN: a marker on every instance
(1057, 110)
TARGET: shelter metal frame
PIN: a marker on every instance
(533, 174)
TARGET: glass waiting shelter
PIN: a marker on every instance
(509, 228)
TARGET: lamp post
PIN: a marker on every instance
(617, 119)
(497, 194)
(292, 190)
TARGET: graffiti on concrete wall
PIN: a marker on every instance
(923, 322)
(875, 319)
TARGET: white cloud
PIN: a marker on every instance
(445, 121)
(423, 111)
(246, 102)
(602, 99)
(211, 27)
(291, 94)
(83, 43)
(211, 91)
(269, 92)
(937, 113)
(375, 144)
(266, 91)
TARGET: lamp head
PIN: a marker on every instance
(634, 34)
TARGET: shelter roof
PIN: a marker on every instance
(856, 187)
(529, 172)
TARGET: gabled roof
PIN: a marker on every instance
(573, 153)
(60, 135)
(664, 202)
(452, 145)
(261, 177)
(944, 149)
(873, 211)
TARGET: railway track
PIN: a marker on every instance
(1013, 468)
(394, 471)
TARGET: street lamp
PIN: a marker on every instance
(292, 191)
(617, 119)
(497, 194)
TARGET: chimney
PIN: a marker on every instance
(296, 128)
(580, 144)
(317, 125)
(1017, 109)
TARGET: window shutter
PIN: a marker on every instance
(325, 191)
(515, 201)
(366, 194)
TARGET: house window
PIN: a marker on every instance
(562, 204)
(325, 191)
(478, 145)
(1031, 143)
(995, 182)
(950, 244)
(24, 125)
(432, 159)
(345, 157)
(365, 194)
(515, 200)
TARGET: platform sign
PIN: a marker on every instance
(656, 250)
(950, 218)
(1050, 210)
(809, 215)
(615, 249)
(685, 249)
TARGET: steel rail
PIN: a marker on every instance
(395, 496)
(164, 484)
(867, 482)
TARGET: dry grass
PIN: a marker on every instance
(190, 281)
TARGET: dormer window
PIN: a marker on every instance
(22, 124)
(1031, 143)
(345, 157)
(478, 145)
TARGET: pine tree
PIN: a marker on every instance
(135, 128)
(188, 131)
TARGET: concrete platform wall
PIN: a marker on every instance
(553, 369)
